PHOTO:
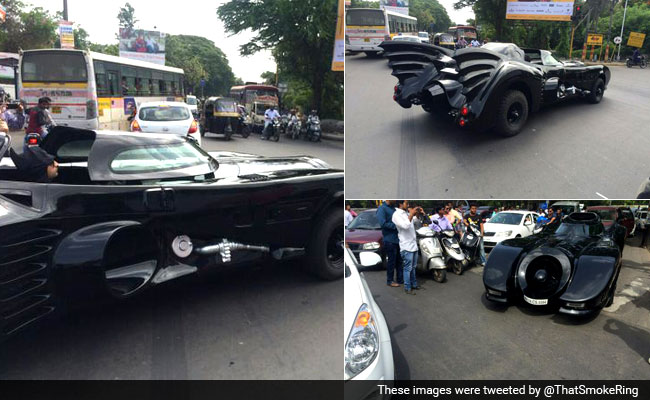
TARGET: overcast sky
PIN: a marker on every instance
(457, 16)
(189, 17)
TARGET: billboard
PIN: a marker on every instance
(542, 10)
(339, 42)
(400, 6)
(66, 35)
(594, 39)
(142, 45)
(636, 39)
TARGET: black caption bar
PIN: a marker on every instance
(486, 390)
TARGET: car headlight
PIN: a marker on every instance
(362, 345)
(370, 246)
(503, 234)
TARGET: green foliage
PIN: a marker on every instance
(126, 16)
(432, 16)
(301, 34)
(268, 77)
(27, 29)
(200, 58)
(364, 4)
(111, 49)
(637, 19)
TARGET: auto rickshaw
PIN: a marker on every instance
(220, 116)
(445, 40)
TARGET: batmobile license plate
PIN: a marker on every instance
(366, 39)
(536, 302)
(56, 110)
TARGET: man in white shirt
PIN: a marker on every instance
(403, 220)
(347, 218)
(269, 115)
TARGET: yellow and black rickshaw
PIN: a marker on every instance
(444, 40)
(220, 116)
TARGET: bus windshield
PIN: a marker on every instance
(54, 66)
(365, 17)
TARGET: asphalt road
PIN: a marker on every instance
(574, 150)
(329, 151)
(449, 331)
(257, 322)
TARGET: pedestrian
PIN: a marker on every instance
(348, 207)
(440, 221)
(15, 118)
(495, 210)
(394, 267)
(347, 217)
(557, 217)
(403, 220)
(646, 233)
(475, 219)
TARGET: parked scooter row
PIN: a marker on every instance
(442, 250)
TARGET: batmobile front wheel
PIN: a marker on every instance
(512, 113)
(597, 92)
(325, 249)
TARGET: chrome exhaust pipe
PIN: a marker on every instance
(226, 247)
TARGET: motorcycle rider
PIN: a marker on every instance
(39, 119)
(443, 223)
(394, 267)
(636, 56)
(474, 218)
(269, 115)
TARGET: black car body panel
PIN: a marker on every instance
(444, 80)
(87, 235)
(562, 266)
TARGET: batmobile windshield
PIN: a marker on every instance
(581, 230)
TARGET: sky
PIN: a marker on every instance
(457, 16)
(189, 17)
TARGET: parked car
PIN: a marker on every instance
(364, 234)
(567, 207)
(508, 225)
(129, 211)
(367, 345)
(610, 215)
(494, 86)
(573, 267)
(169, 117)
(424, 37)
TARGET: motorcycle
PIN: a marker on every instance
(274, 133)
(243, 127)
(313, 129)
(294, 128)
(33, 139)
(470, 243)
(641, 63)
(284, 123)
(431, 254)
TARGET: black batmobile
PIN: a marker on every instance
(495, 86)
(130, 211)
(573, 266)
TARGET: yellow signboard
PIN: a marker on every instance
(636, 39)
(594, 39)
(339, 42)
(542, 10)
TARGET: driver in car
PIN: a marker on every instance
(35, 165)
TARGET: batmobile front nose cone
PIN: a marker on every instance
(541, 275)
(182, 246)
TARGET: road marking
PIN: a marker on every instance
(602, 196)
(632, 291)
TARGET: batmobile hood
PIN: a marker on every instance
(252, 167)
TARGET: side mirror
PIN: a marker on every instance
(369, 259)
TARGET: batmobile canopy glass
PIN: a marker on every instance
(583, 230)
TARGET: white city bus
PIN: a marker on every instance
(366, 28)
(93, 90)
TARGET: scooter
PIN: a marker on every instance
(469, 243)
(243, 127)
(274, 134)
(641, 63)
(431, 258)
(313, 129)
(284, 123)
(294, 127)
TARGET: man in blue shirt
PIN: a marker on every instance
(391, 243)
(443, 223)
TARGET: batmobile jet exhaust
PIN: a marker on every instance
(183, 247)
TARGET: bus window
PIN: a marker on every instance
(162, 85)
(54, 67)
(100, 79)
(113, 87)
(128, 81)
(142, 83)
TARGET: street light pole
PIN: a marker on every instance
(65, 10)
(618, 56)
(609, 30)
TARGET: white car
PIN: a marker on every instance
(407, 38)
(424, 37)
(641, 219)
(508, 225)
(166, 117)
(367, 346)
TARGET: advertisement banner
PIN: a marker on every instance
(3, 13)
(542, 10)
(339, 41)
(138, 44)
(636, 39)
(398, 6)
(66, 35)
(594, 39)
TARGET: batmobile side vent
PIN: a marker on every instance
(254, 177)
(25, 294)
(475, 69)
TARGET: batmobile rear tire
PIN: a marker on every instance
(325, 249)
(439, 275)
(512, 113)
(597, 92)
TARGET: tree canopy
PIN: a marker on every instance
(432, 16)
(301, 34)
(27, 29)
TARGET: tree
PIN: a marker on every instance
(301, 35)
(432, 16)
(268, 77)
(81, 40)
(364, 4)
(31, 29)
(127, 16)
(112, 49)
(200, 58)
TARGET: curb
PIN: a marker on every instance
(338, 137)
